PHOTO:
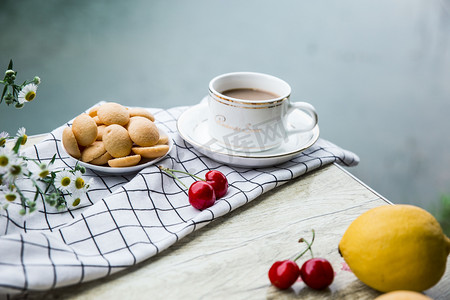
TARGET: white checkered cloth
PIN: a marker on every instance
(123, 220)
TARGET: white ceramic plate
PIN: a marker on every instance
(145, 162)
(192, 126)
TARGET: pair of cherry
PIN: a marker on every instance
(204, 192)
(317, 273)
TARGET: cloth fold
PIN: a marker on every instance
(126, 219)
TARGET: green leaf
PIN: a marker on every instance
(18, 144)
(10, 66)
(53, 159)
(36, 194)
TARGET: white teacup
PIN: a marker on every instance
(248, 111)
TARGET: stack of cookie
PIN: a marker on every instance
(111, 134)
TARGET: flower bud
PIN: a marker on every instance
(9, 72)
(10, 79)
(9, 96)
(18, 105)
(60, 206)
(36, 80)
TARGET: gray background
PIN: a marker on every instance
(378, 72)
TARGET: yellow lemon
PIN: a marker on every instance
(403, 295)
(396, 247)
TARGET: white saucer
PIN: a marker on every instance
(192, 126)
(145, 162)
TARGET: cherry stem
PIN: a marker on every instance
(170, 172)
(309, 246)
(183, 172)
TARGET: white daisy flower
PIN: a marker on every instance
(64, 181)
(5, 196)
(73, 201)
(10, 196)
(39, 170)
(6, 157)
(3, 136)
(15, 169)
(21, 133)
(80, 185)
(28, 93)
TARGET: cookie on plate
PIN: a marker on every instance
(93, 111)
(126, 161)
(140, 112)
(93, 151)
(113, 113)
(85, 129)
(100, 132)
(143, 132)
(163, 139)
(117, 141)
(70, 143)
(102, 160)
(151, 152)
(97, 120)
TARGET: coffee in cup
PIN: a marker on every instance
(248, 111)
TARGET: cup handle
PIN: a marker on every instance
(309, 109)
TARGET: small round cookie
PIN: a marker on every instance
(93, 111)
(140, 112)
(70, 143)
(143, 132)
(163, 139)
(151, 152)
(102, 160)
(100, 132)
(93, 151)
(85, 129)
(97, 120)
(117, 141)
(126, 161)
(113, 113)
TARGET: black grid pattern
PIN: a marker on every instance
(126, 219)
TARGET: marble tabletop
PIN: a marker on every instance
(230, 258)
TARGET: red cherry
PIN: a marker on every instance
(317, 273)
(284, 273)
(201, 195)
(218, 181)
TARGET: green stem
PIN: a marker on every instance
(169, 171)
(22, 197)
(37, 187)
(309, 246)
(185, 173)
(36, 194)
(50, 184)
